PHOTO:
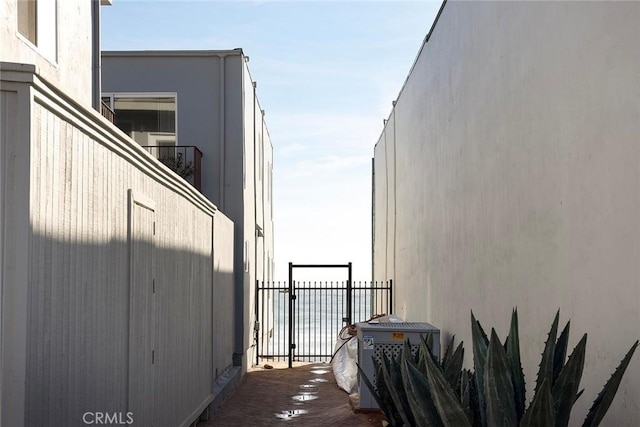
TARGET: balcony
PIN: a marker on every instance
(185, 160)
(107, 112)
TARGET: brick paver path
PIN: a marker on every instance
(306, 395)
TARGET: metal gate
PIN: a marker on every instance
(300, 321)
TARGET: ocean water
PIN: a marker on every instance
(318, 314)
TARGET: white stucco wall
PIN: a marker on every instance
(223, 294)
(516, 181)
(65, 61)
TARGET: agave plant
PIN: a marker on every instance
(414, 389)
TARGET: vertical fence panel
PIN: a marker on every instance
(302, 319)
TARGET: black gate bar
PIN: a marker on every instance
(292, 297)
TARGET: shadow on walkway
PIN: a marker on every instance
(306, 395)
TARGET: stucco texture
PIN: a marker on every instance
(508, 175)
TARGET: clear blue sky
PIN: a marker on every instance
(327, 72)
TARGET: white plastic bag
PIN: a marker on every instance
(344, 363)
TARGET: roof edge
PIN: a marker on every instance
(174, 53)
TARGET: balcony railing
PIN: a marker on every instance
(185, 160)
(107, 112)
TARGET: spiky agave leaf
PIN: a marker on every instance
(474, 406)
(386, 406)
(501, 406)
(428, 343)
(446, 402)
(560, 353)
(393, 381)
(468, 397)
(540, 412)
(605, 397)
(424, 351)
(420, 399)
(480, 346)
(453, 369)
(383, 387)
(565, 389)
(429, 339)
(545, 370)
(512, 345)
(447, 353)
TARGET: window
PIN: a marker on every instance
(149, 119)
(37, 22)
(27, 25)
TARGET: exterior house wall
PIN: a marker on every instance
(223, 292)
(517, 162)
(113, 273)
(65, 52)
(219, 112)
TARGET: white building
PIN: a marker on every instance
(171, 99)
(116, 275)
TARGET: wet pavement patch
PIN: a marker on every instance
(305, 396)
(296, 396)
(291, 413)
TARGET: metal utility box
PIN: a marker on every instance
(376, 338)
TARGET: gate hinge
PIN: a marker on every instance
(293, 296)
(293, 346)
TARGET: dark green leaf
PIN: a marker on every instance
(501, 406)
(467, 395)
(420, 398)
(560, 353)
(448, 352)
(453, 369)
(382, 404)
(480, 346)
(565, 388)
(545, 370)
(605, 397)
(540, 412)
(393, 381)
(444, 398)
(513, 355)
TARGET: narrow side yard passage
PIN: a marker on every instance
(306, 395)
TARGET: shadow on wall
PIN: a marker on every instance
(104, 336)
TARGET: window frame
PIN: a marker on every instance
(141, 95)
(46, 27)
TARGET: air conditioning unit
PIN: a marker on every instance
(374, 339)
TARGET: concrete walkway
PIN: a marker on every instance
(305, 395)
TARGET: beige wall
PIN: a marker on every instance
(68, 63)
(516, 181)
(116, 294)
